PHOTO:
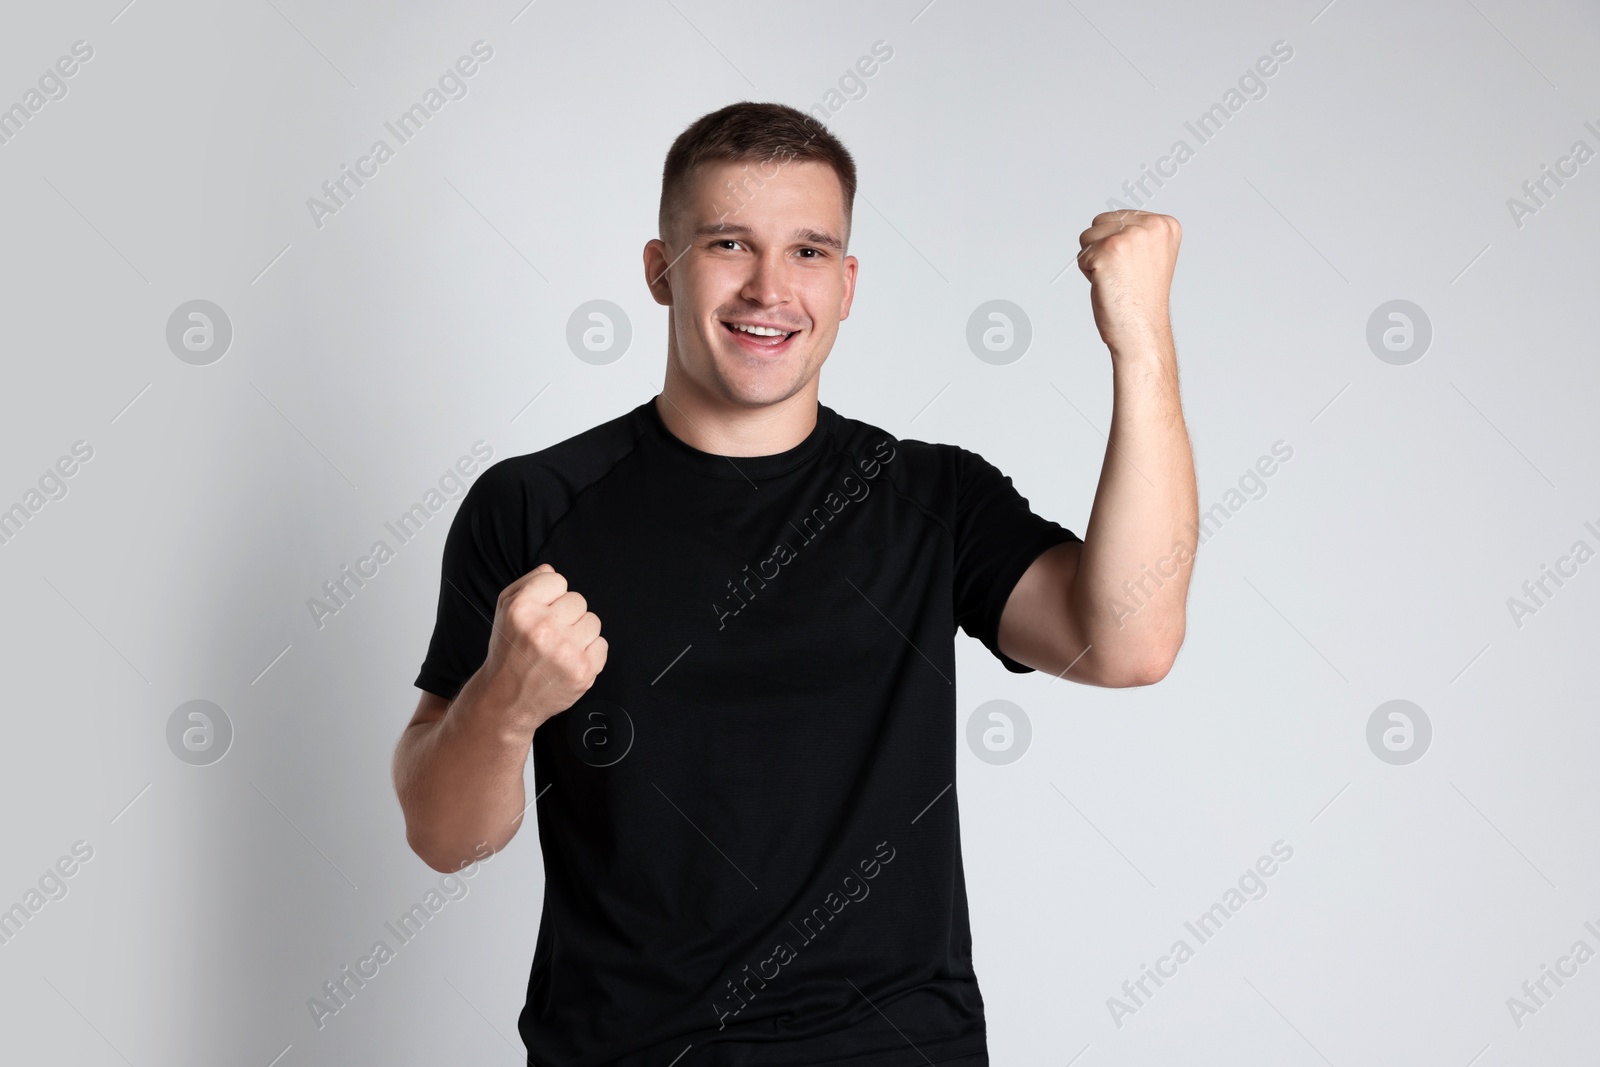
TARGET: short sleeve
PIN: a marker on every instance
(481, 557)
(998, 536)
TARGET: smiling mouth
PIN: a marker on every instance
(764, 339)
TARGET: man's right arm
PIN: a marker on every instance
(458, 767)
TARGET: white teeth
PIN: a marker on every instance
(759, 331)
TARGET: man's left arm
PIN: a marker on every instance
(1110, 611)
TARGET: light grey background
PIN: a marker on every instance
(430, 312)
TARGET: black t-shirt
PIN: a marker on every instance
(749, 823)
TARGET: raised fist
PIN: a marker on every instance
(1129, 257)
(546, 647)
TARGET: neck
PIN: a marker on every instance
(713, 423)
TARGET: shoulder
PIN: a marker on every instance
(564, 469)
(519, 499)
(917, 466)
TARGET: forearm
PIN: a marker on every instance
(1133, 578)
(460, 778)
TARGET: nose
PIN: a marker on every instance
(767, 284)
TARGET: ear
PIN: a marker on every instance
(657, 256)
(849, 295)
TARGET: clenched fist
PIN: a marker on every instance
(1129, 257)
(546, 647)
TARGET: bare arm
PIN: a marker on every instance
(458, 765)
(458, 774)
(1112, 608)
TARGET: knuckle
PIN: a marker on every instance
(541, 632)
(529, 614)
(563, 659)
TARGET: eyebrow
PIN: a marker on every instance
(806, 234)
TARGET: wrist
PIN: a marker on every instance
(1146, 338)
(503, 701)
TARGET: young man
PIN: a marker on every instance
(744, 789)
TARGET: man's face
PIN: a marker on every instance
(755, 247)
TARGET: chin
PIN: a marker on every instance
(760, 394)
(759, 390)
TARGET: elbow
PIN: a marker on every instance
(448, 860)
(425, 840)
(427, 851)
(1148, 673)
(433, 860)
(448, 847)
(445, 868)
(1153, 667)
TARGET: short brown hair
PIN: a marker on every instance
(753, 133)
